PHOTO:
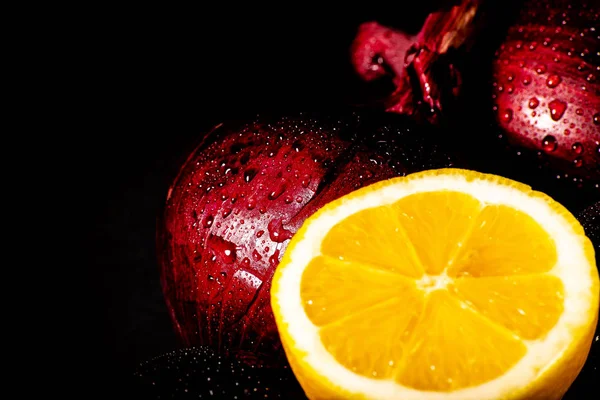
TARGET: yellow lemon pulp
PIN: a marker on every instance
(398, 288)
(446, 284)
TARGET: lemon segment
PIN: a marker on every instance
(436, 224)
(454, 347)
(505, 241)
(332, 289)
(356, 345)
(527, 305)
(372, 236)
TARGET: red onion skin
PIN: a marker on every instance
(546, 85)
(527, 102)
(237, 201)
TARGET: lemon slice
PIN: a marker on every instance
(444, 284)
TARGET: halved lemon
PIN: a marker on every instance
(444, 284)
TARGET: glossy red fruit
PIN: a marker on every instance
(546, 85)
(242, 194)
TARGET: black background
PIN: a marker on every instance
(155, 79)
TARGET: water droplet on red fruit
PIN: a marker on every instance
(255, 255)
(226, 212)
(526, 80)
(597, 118)
(249, 174)
(274, 258)
(507, 115)
(277, 232)
(578, 162)
(567, 132)
(540, 69)
(579, 111)
(549, 144)
(224, 249)
(553, 81)
(208, 221)
(533, 102)
(577, 148)
(557, 109)
(305, 180)
(251, 204)
(277, 192)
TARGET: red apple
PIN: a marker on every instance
(242, 194)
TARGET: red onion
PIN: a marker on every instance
(242, 194)
(544, 78)
(547, 84)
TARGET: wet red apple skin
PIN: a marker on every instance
(240, 197)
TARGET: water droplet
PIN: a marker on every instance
(251, 204)
(226, 212)
(507, 115)
(288, 199)
(274, 259)
(533, 113)
(553, 81)
(224, 249)
(298, 199)
(211, 278)
(533, 102)
(246, 262)
(249, 174)
(255, 255)
(578, 162)
(567, 132)
(510, 88)
(260, 233)
(540, 69)
(591, 78)
(208, 221)
(526, 80)
(577, 148)
(596, 118)
(277, 232)
(549, 144)
(297, 146)
(579, 111)
(277, 192)
(305, 180)
(557, 109)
